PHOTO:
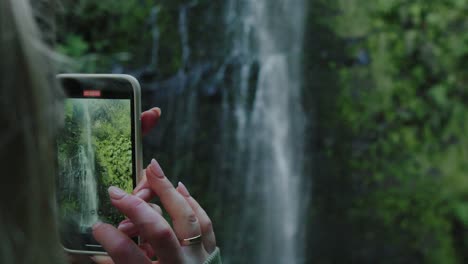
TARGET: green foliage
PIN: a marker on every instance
(68, 206)
(96, 34)
(73, 46)
(111, 139)
(113, 146)
(404, 116)
(115, 157)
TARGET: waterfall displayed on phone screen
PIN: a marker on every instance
(94, 152)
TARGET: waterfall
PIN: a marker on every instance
(78, 171)
(88, 186)
(268, 34)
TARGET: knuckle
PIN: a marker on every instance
(186, 218)
(150, 232)
(207, 226)
(135, 205)
(137, 202)
(192, 218)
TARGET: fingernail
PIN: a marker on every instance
(183, 190)
(158, 110)
(156, 169)
(99, 259)
(143, 193)
(116, 193)
(125, 221)
(97, 225)
(125, 226)
(141, 183)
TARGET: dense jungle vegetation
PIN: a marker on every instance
(392, 125)
(110, 140)
(385, 88)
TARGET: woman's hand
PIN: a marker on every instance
(149, 119)
(170, 245)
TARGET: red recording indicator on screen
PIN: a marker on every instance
(92, 93)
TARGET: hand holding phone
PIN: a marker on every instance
(190, 238)
(100, 146)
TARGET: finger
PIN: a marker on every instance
(156, 208)
(183, 217)
(120, 247)
(151, 225)
(146, 247)
(130, 229)
(208, 235)
(102, 260)
(142, 190)
(142, 184)
(145, 194)
(149, 119)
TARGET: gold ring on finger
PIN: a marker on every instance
(191, 241)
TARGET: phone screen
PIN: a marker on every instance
(95, 151)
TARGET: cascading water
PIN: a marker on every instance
(268, 34)
(79, 172)
(88, 194)
(258, 191)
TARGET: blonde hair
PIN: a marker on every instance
(29, 100)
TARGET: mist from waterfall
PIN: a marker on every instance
(267, 37)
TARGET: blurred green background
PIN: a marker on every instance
(384, 92)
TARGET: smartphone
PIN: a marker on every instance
(99, 146)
